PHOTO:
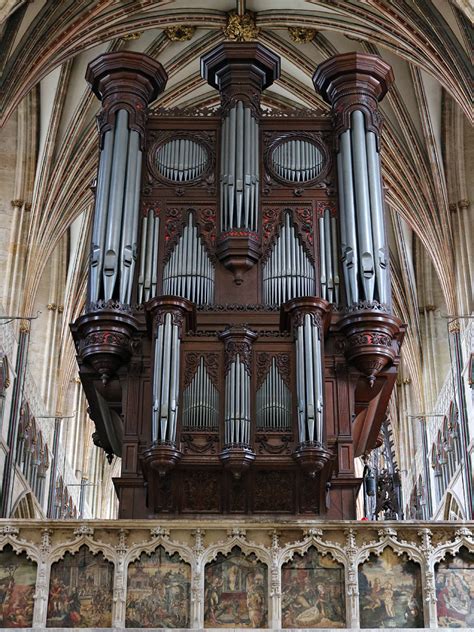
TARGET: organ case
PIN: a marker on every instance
(247, 352)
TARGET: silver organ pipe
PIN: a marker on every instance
(329, 276)
(350, 255)
(189, 272)
(239, 169)
(100, 215)
(166, 381)
(377, 216)
(273, 402)
(114, 234)
(309, 381)
(131, 208)
(288, 272)
(363, 245)
(237, 404)
(201, 402)
(181, 160)
(147, 277)
(297, 160)
(115, 208)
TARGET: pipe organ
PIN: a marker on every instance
(237, 349)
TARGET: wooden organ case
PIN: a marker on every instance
(238, 349)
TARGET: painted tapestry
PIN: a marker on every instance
(455, 591)
(80, 591)
(17, 587)
(236, 592)
(313, 594)
(390, 592)
(158, 593)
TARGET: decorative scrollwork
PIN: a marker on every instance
(283, 445)
(189, 444)
(211, 362)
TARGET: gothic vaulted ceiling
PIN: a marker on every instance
(46, 46)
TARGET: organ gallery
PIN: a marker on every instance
(238, 348)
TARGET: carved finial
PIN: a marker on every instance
(312, 532)
(237, 532)
(388, 532)
(463, 532)
(157, 532)
(241, 28)
(122, 543)
(198, 539)
(300, 35)
(180, 33)
(9, 530)
(84, 530)
(131, 36)
(275, 535)
(46, 539)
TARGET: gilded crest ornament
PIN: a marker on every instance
(300, 35)
(180, 33)
(241, 28)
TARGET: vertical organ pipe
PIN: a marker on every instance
(189, 272)
(166, 381)
(273, 402)
(115, 207)
(100, 216)
(237, 405)
(364, 253)
(114, 235)
(376, 208)
(130, 216)
(350, 256)
(239, 169)
(309, 363)
(147, 277)
(361, 188)
(288, 273)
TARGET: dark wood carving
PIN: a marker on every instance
(198, 473)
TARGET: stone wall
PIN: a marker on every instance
(219, 573)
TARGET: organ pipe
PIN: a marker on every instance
(114, 234)
(239, 169)
(288, 272)
(189, 272)
(329, 275)
(237, 404)
(201, 402)
(166, 381)
(273, 402)
(309, 380)
(181, 160)
(297, 160)
(147, 277)
(363, 246)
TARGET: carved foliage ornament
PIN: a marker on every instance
(241, 348)
(272, 222)
(263, 361)
(241, 28)
(180, 33)
(176, 220)
(301, 35)
(192, 360)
